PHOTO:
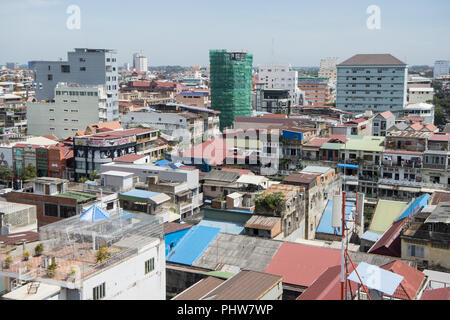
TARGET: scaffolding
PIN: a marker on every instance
(231, 85)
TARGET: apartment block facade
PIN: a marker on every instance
(371, 81)
(84, 67)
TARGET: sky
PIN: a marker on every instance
(181, 32)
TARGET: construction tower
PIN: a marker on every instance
(231, 85)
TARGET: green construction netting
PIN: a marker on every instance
(231, 84)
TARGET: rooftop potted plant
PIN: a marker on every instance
(8, 262)
(71, 274)
(102, 254)
(51, 269)
(26, 255)
(38, 249)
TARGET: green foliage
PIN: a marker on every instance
(6, 174)
(8, 260)
(29, 173)
(102, 254)
(26, 254)
(39, 249)
(82, 180)
(273, 201)
(94, 175)
(441, 101)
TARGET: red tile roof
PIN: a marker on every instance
(51, 137)
(301, 264)
(328, 286)
(416, 126)
(440, 136)
(413, 153)
(317, 142)
(130, 158)
(387, 114)
(431, 127)
(214, 151)
(389, 244)
(436, 294)
(412, 279)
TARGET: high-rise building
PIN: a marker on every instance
(328, 68)
(231, 84)
(441, 67)
(280, 77)
(75, 107)
(84, 67)
(374, 82)
(140, 62)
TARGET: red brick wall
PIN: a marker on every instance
(39, 201)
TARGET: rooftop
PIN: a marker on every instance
(372, 60)
(246, 285)
(130, 157)
(386, 212)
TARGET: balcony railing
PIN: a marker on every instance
(435, 166)
(403, 183)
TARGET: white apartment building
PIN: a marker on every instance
(441, 67)
(132, 269)
(190, 129)
(84, 67)
(280, 77)
(420, 95)
(73, 109)
(424, 110)
(328, 68)
(140, 62)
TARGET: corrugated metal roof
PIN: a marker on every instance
(246, 285)
(302, 264)
(328, 286)
(386, 213)
(238, 250)
(224, 226)
(219, 175)
(262, 222)
(201, 288)
(327, 216)
(192, 245)
(412, 279)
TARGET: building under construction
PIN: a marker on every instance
(231, 84)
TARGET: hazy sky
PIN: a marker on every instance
(180, 32)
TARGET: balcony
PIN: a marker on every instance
(404, 163)
(435, 166)
(400, 183)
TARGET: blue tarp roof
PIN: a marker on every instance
(371, 236)
(94, 213)
(139, 193)
(174, 238)
(325, 221)
(192, 245)
(161, 163)
(376, 278)
(415, 206)
(349, 166)
(224, 226)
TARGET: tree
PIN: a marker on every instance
(6, 174)
(29, 173)
(94, 175)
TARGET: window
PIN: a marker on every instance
(65, 68)
(51, 110)
(414, 251)
(67, 212)
(82, 60)
(51, 210)
(82, 68)
(50, 77)
(99, 292)
(149, 265)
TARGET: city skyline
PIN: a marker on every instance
(288, 33)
